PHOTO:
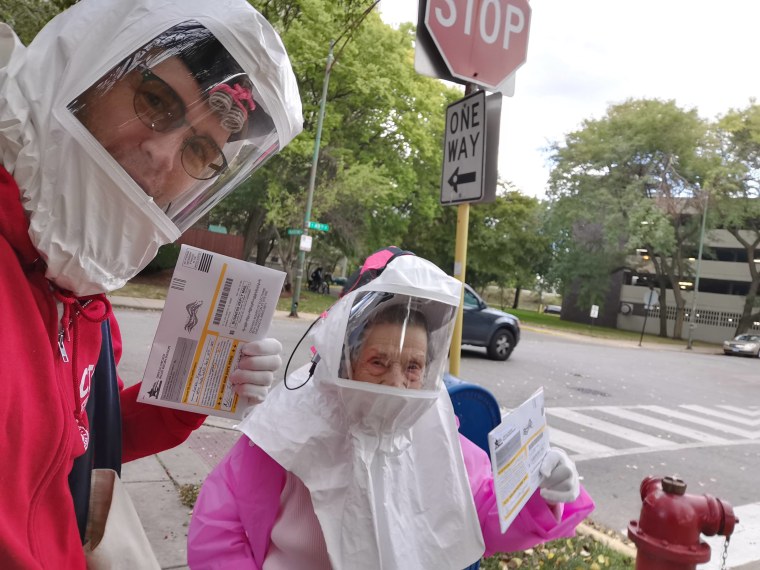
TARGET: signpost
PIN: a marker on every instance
(470, 149)
(464, 150)
(651, 300)
(482, 42)
(477, 43)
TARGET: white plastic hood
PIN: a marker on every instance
(388, 495)
(91, 223)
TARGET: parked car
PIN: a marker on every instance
(747, 344)
(553, 309)
(485, 326)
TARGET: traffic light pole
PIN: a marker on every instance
(312, 180)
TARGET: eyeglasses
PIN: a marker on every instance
(161, 109)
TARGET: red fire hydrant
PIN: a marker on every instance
(667, 534)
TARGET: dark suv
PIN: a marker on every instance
(498, 331)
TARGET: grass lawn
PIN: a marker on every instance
(308, 302)
(579, 553)
(543, 320)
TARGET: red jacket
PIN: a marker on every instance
(42, 398)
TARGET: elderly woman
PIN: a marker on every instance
(363, 467)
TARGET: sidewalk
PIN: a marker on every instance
(154, 484)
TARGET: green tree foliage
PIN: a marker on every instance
(506, 243)
(27, 17)
(379, 160)
(737, 194)
(632, 179)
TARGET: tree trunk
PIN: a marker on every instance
(517, 297)
(678, 297)
(663, 296)
(252, 227)
(264, 245)
(748, 318)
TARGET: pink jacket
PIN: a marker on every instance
(235, 512)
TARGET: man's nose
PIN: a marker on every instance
(163, 149)
(395, 376)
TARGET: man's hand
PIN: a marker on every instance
(255, 372)
(561, 483)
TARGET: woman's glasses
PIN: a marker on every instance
(161, 109)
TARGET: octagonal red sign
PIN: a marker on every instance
(482, 41)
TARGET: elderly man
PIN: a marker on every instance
(120, 125)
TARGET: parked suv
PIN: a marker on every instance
(484, 326)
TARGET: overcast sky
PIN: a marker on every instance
(584, 55)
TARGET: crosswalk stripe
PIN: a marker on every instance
(704, 422)
(665, 426)
(642, 450)
(722, 415)
(753, 412)
(577, 444)
(609, 428)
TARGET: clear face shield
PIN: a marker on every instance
(182, 119)
(397, 341)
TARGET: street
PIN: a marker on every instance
(622, 412)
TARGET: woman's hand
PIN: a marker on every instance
(255, 372)
(561, 483)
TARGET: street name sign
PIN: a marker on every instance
(480, 41)
(294, 231)
(319, 226)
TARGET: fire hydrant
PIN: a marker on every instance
(667, 534)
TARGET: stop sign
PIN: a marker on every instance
(481, 41)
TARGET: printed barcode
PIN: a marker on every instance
(223, 300)
(204, 264)
(507, 450)
(178, 284)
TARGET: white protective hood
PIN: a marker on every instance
(92, 224)
(388, 494)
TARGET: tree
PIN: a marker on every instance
(27, 17)
(737, 199)
(380, 154)
(644, 161)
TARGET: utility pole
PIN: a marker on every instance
(312, 179)
(692, 314)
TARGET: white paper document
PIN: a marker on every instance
(518, 446)
(215, 304)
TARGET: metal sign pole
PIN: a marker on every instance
(312, 180)
(460, 270)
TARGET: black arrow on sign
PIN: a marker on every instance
(455, 179)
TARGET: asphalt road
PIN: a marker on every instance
(621, 411)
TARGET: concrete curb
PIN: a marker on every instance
(609, 541)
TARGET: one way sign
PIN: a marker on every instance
(466, 176)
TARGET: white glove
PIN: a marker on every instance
(254, 375)
(560, 483)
